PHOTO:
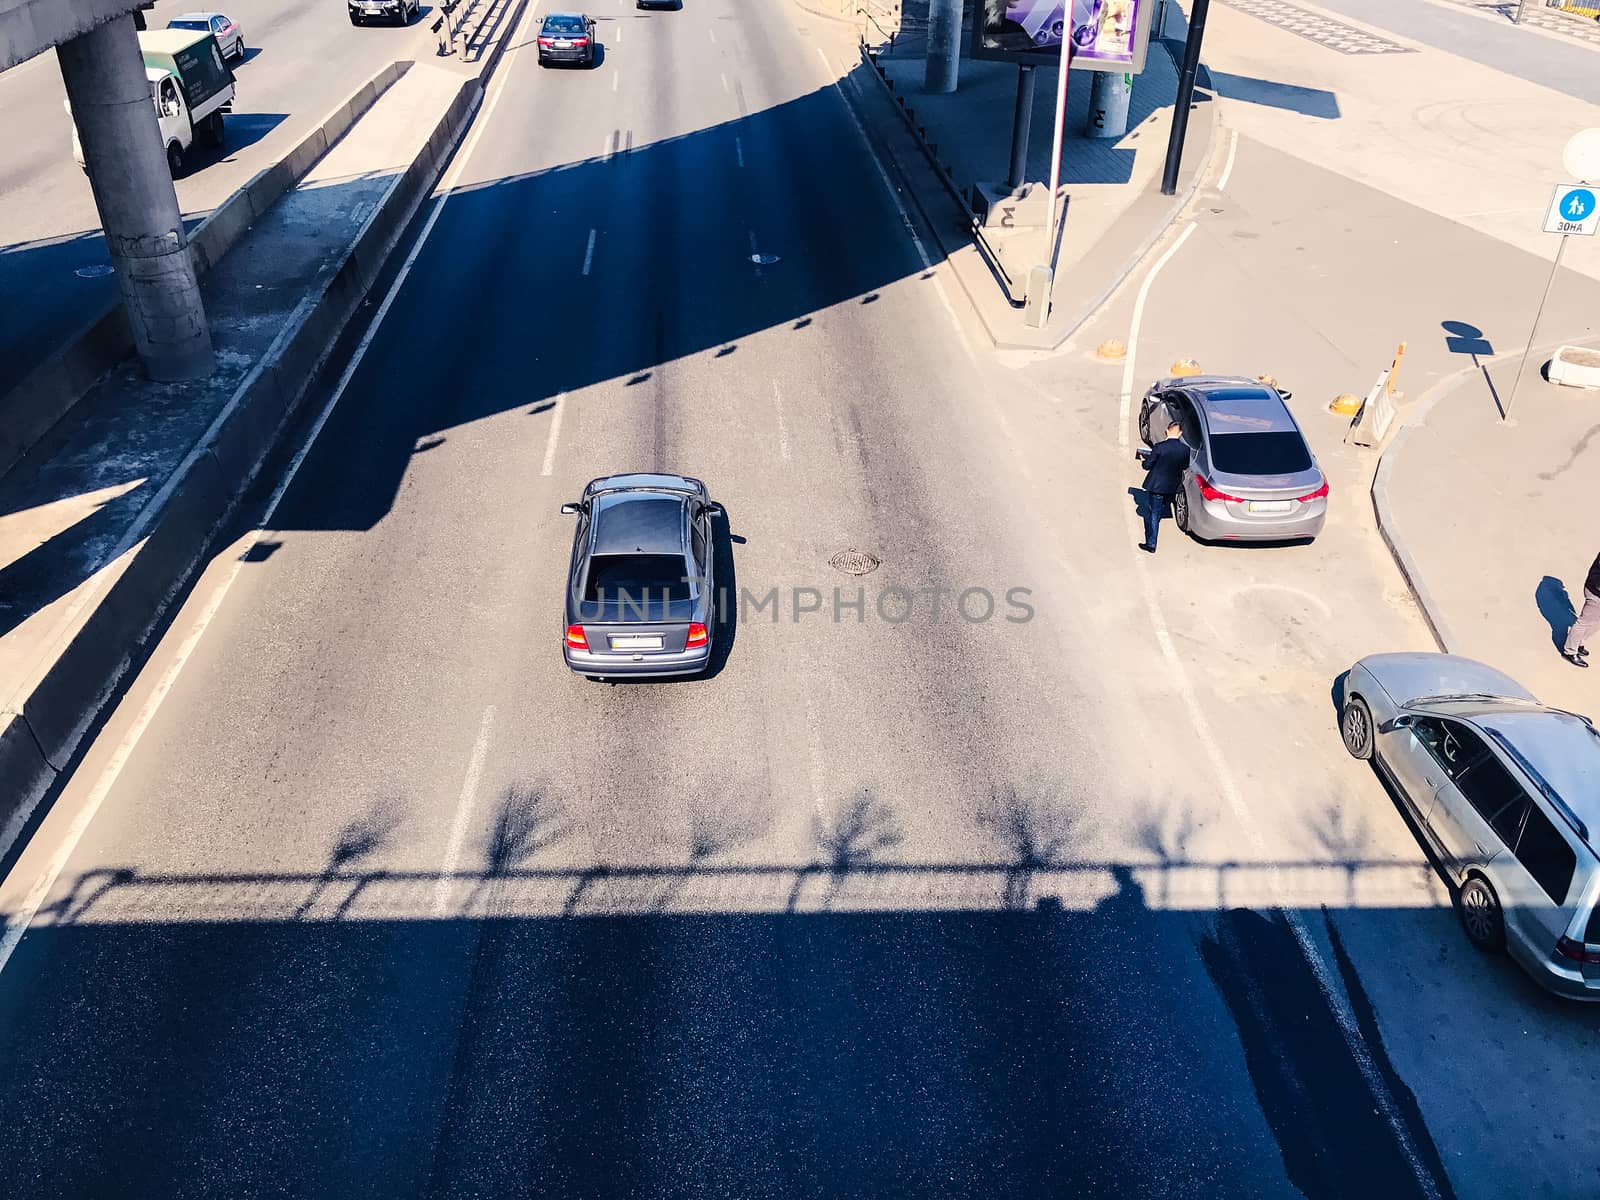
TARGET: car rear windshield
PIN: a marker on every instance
(1282, 453)
(563, 25)
(637, 577)
(188, 25)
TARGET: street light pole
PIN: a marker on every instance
(1180, 106)
(1516, 17)
(1045, 274)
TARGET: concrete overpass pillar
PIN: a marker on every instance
(104, 74)
(944, 46)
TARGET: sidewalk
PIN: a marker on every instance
(1113, 208)
(1493, 522)
(1537, 15)
(107, 517)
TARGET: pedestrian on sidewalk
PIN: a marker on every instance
(1575, 652)
(1165, 463)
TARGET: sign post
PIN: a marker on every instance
(1574, 211)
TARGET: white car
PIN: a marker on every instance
(222, 27)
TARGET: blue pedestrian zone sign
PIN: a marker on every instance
(1574, 210)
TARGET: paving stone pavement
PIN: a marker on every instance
(1318, 27)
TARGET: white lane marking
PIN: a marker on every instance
(712, 31)
(725, 86)
(1348, 1029)
(738, 150)
(17, 924)
(905, 217)
(783, 430)
(588, 255)
(1125, 400)
(458, 829)
(555, 436)
(608, 146)
(620, 28)
(615, 79)
(1227, 167)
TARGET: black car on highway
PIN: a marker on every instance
(640, 592)
(566, 38)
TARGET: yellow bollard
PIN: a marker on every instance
(1185, 366)
(1112, 349)
(1345, 405)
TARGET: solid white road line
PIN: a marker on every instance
(1242, 815)
(1227, 167)
(905, 216)
(17, 924)
(588, 255)
(725, 86)
(783, 429)
(1125, 401)
(458, 829)
(555, 435)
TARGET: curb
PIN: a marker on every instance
(47, 393)
(1389, 462)
(1169, 209)
(79, 674)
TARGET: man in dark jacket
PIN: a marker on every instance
(1165, 464)
(1575, 651)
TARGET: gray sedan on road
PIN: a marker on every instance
(640, 591)
(1506, 792)
(1252, 477)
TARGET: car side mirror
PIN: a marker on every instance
(570, 509)
(1403, 721)
(712, 509)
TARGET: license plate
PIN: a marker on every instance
(563, 45)
(637, 641)
(1270, 506)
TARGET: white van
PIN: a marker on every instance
(191, 86)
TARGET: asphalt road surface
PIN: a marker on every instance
(385, 902)
(304, 58)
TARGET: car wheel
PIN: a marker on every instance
(1180, 509)
(1481, 916)
(239, 50)
(211, 130)
(175, 160)
(1355, 727)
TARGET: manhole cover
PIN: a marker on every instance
(855, 562)
(763, 260)
(98, 271)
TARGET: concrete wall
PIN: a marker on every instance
(29, 27)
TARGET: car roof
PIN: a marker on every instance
(639, 522)
(1560, 748)
(1253, 415)
(197, 16)
(565, 16)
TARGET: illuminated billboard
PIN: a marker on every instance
(1107, 35)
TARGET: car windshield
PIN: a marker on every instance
(563, 25)
(1281, 453)
(188, 25)
(634, 577)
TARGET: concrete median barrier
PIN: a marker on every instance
(46, 720)
(48, 393)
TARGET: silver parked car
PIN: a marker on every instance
(1251, 477)
(1507, 791)
(640, 591)
(230, 38)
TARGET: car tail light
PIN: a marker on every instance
(1211, 493)
(1578, 952)
(576, 638)
(583, 41)
(1319, 494)
(547, 41)
(697, 635)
